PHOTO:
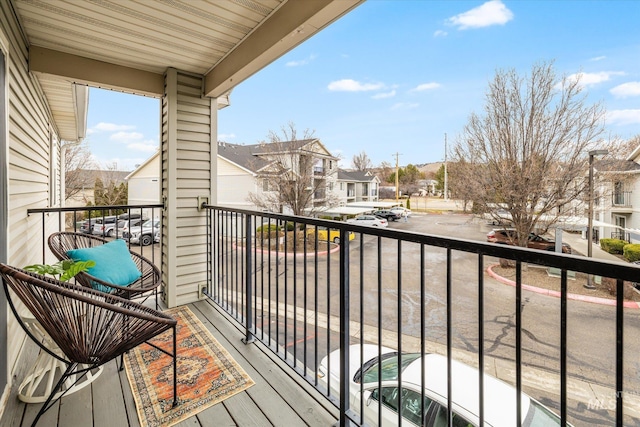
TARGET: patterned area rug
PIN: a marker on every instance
(206, 373)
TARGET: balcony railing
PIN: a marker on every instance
(318, 170)
(304, 298)
(621, 199)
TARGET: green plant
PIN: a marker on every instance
(63, 270)
(268, 227)
(613, 246)
(631, 252)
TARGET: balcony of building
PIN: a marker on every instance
(295, 298)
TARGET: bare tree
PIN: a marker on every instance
(77, 159)
(108, 191)
(295, 173)
(528, 152)
(384, 171)
(361, 162)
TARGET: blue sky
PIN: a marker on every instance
(395, 76)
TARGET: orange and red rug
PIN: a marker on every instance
(207, 374)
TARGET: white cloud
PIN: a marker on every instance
(405, 106)
(146, 146)
(590, 79)
(626, 89)
(349, 85)
(440, 33)
(301, 61)
(384, 95)
(624, 117)
(493, 12)
(112, 127)
(225, 136)
(425, 86)
(598, 58)
(126, 136)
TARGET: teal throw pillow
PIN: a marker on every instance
(113, 264)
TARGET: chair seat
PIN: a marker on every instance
(81, 328)
(149, 281)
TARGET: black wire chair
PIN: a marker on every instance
(90, 327)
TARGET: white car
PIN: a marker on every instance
(402, 211)
(499, 397)
(371, 220)
(124, 225)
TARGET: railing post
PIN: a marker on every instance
(248, 337)
(344, 327)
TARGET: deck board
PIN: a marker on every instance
(108, 390)
(277, 398)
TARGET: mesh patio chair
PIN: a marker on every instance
(89, 327)
(63, 241)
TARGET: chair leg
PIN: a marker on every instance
(49, 402)
(175, 368)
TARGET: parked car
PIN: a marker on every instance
(87, 226)
(498, 217)
(499, 397)
(508, 237)
(388, 215)
(124, 225)
(105, 226)
(371, 220)
(332, 235)
(143, 234)
(156, 236)
(401, 210)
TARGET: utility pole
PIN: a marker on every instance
(397, 169)
(446, 187)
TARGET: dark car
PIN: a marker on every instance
(536, 241)
(87, 225)
(388, 215)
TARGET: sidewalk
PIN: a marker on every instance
(579, 245)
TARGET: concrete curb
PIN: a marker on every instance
(557, 294)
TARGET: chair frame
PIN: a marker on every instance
(89, 327)
(63, 241)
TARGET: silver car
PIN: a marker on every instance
(143, 235)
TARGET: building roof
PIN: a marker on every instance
(358, 176)
(615, 165)
(255, 157)
(87, 177)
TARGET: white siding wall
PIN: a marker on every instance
(28, 161)
(234, 185)
(144, 183)
(188, 146)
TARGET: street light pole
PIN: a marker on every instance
(592, 153)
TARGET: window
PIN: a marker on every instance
(441, 419)
(341, 186)
(409, 402)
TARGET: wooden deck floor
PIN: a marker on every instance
(279, 397)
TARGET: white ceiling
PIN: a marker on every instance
(128, 44)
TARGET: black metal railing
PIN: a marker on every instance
(622, 235)
(306, 289)
(621, 199)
